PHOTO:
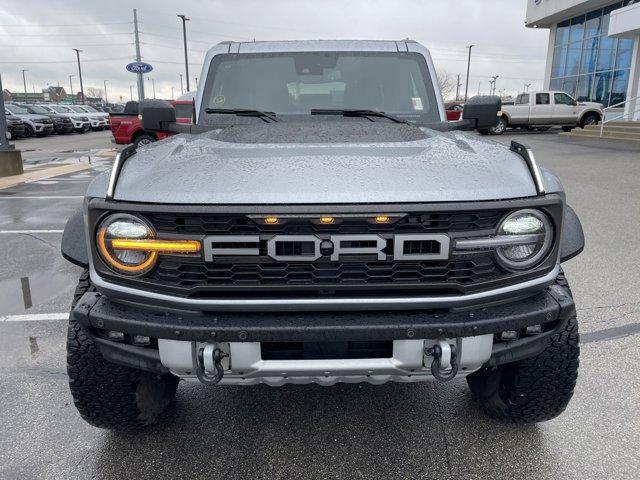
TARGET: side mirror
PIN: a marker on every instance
(482, 112)
(156, 115)
(574, 103)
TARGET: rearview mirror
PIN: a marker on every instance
(156, 115)
(482, 112)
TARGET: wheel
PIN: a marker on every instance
(108, 395)
(500, 127)
(534, 389)
(590, 119)
(28, 131)
(144, 139)
(567, 129)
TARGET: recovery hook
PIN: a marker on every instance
(216, 355)
(445, 358)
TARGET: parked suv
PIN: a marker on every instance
(322, 222)
(35, 125)
(15, 127)
(99, 120)
(80, 122)
(61, 123)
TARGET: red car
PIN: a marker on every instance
(126, 126)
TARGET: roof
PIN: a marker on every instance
(316, 46)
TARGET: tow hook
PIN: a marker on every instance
(216, 356)
(445, 360)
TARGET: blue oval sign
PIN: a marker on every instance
(139, 67)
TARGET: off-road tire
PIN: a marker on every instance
(534, 389)
(144, 139)
(28, 131)
(108, 395)
(500, 128)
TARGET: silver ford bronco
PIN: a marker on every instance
(322, 222)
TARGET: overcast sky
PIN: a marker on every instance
(39, 35)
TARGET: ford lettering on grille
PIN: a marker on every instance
(285, 248)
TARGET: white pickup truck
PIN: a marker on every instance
(544, 109)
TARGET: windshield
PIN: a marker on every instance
(37, 109)
(295, 83)
(16, 110)
(77, 109)
(87, 108)
(61, 109)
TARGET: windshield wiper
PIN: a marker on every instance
(357, 113)
(242, 112)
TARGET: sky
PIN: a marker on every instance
(39, 36)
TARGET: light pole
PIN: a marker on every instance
(466, 88)
(184, 36)
(526, 87)
(106, 99)
(495, 77)
(172, 93)
(181, 87)
(131, 92)
(79, 73)
(24, 81)
(71, 84)
(153, 84)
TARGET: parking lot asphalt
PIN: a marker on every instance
(348, 431)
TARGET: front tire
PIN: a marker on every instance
(143, 140)
(590, 119)
(535, 389)
(108, 395)
(28, 131)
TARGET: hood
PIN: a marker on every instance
(323, 163)
(32, 117)
(591, 104)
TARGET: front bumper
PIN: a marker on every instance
(43, 128)
(63, 127)
(179, 333)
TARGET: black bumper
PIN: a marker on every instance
(63, 127)
(96, 311)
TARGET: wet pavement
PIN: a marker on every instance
(346, 431)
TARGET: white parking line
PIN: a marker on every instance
(31, 231)
(50, 197)
(35, 317)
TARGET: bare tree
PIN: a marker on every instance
(447, 84)
(93, 92)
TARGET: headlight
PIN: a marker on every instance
(128, 245)
(527, 235)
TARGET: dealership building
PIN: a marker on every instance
(593, 51)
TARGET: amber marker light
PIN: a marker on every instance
(382, 219)
(327, 220)
(158, 246)
(271, 220)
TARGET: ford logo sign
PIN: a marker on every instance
(139, 67)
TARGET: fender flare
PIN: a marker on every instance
(74, 240)
(588, 112)
(572, 235)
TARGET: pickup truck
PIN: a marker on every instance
(322, 222)
(126, 126)
(544, 109)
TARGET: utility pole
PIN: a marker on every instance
(466, 88)
(79, 73)
(181, 87)
(138, 58)
(24, 81)
(526, 87)
(131, 92)
(106, 99)
(71, 84)
(184, 36)
(458, 85)
(495, 77)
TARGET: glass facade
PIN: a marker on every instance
(587, 64)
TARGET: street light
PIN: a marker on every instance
(79, 73)
(184, 36)
(495, 77)
(172, 92)
(24, 81)
(71, 84)
(526, 87)
(106, 100)
(153, 84)
(466, 88)
(181, 87)
(131, 92)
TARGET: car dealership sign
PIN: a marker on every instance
(139, 67)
